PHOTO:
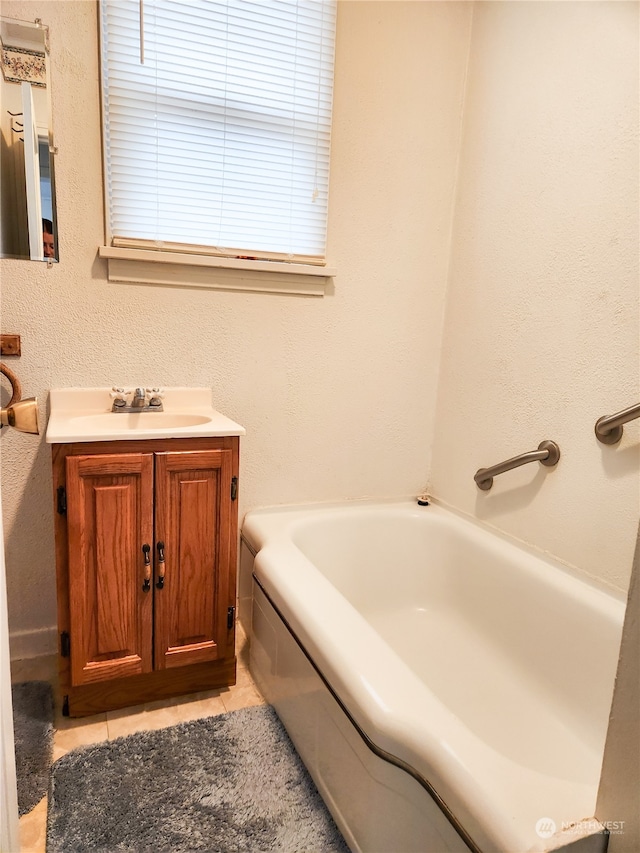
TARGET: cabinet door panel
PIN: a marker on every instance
(193, 521)
(110, 517)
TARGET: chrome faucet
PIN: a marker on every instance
(139, 399)
(142, 400)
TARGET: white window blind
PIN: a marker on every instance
(218, 142)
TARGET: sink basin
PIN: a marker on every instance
(84, 414)
(110, 421)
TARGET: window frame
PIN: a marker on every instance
(207, 269)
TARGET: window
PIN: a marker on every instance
(217, 126)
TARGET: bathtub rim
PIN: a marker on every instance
(255, 539)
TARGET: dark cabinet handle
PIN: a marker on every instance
(146, 550)
(161, 565)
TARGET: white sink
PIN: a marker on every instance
(137, 420)
(84, 414)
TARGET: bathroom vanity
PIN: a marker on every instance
(146, 545)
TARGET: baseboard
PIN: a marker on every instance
(33, 644)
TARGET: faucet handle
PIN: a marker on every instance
(155, 398)
(118, 395)
(120, 392)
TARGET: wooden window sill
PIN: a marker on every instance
(175, 269)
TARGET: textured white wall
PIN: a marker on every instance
(337, 394)
(542, 325)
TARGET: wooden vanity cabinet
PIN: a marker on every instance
(146, 546)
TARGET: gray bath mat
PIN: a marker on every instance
(227, 783)
(33, 736)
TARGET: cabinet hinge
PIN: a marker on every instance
(234, 488)
(231, 613)
(62, 500)
(65, 644)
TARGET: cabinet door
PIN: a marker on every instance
(193, 520)
(110, 518)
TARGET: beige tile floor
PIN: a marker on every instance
(70, 733)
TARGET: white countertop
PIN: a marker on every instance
(84, 414)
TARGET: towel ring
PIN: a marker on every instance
(16, 389)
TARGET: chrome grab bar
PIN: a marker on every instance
(609, 428)
(547, 453)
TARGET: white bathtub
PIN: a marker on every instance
(393, 631)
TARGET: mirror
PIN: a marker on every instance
(28, 226)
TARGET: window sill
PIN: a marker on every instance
(143, 266)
